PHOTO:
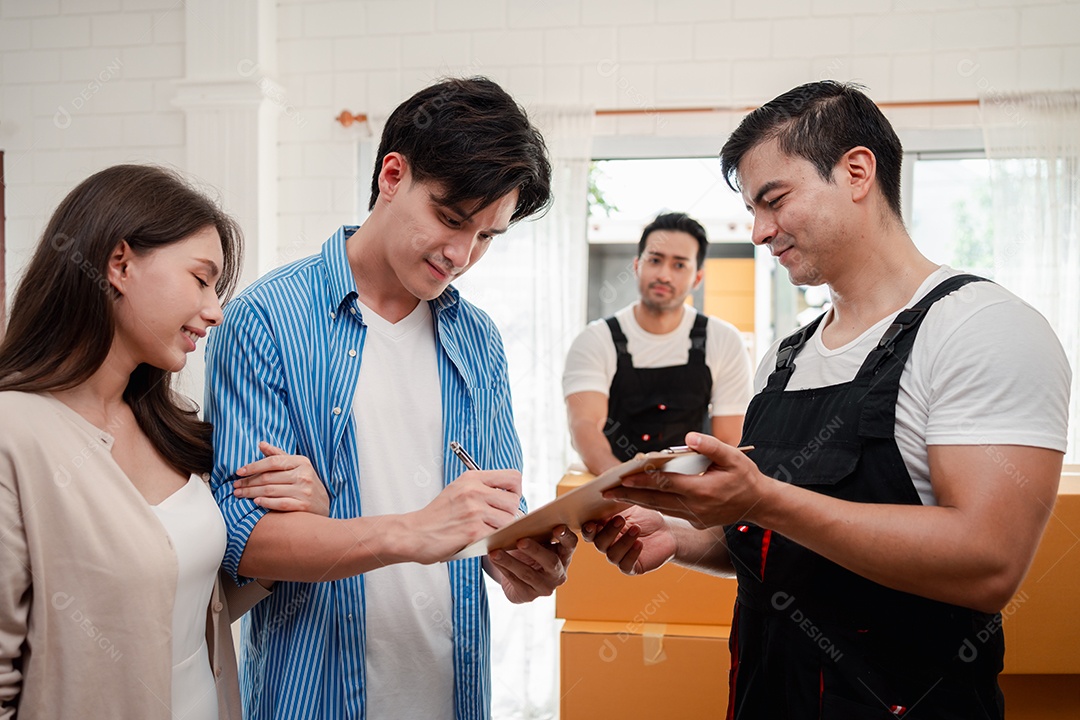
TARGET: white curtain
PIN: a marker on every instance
(532, 283)
(1033, 145)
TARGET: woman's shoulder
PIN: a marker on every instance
(23, 420)
(23, 410)
(14, 401)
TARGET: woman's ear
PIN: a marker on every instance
(119, 260)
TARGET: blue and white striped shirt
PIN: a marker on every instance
(283, 368)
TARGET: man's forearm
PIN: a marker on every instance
(704, 550)
(971, 550)
(310, 548)
(594, 448)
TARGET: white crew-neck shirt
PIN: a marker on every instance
(985, 369)
(398, 413)
(592, 361)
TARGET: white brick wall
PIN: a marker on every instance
(733, 40)
(644, 54)
(976, 29)
(391, 17)
(475, 15)
(126, 29)
(60, 32)
(889, 34)
(80, 91)
(84, 83)
(344, 18)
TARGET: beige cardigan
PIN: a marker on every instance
(88, 578)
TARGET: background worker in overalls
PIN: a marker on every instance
(640, 380)
(907, 447)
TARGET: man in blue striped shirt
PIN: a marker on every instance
(363, 363)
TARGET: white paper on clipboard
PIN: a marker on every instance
(586, 503)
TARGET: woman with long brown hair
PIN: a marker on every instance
(110, 540)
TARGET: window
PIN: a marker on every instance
(951, 215)
(626, 195)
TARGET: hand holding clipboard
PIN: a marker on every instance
(585, 503)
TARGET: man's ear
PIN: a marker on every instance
(118, 265)
(858, 168)
(394, 171)
(698, 278)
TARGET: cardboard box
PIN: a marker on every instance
(1042, 623)
(597, 590)
(632, 670)
(1041, 697)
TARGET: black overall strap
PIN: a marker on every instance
(881, 371)
(698, 335)
(785, 356)
(908, 319)
(654, 407)
(617, 336)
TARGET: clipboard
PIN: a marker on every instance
(586, 503)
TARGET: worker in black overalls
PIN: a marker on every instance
(653, 408)
(858, 597)
(643, 378)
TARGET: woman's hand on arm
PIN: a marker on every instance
(282, 482)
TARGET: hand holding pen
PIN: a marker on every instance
(468, 509)
(529, 569)
(470, 464)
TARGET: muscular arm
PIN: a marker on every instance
(971, 550)
(983, 372)
(587, 413)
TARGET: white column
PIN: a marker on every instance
(229, 99)
(231, 104)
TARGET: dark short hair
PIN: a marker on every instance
(474, 141)
(63, 317)
(821, 121)
(680, 222)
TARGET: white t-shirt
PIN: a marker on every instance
(398, 414)
(592, 361)
(985, 369)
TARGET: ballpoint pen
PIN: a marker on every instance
(463, 455)
(470, 464)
